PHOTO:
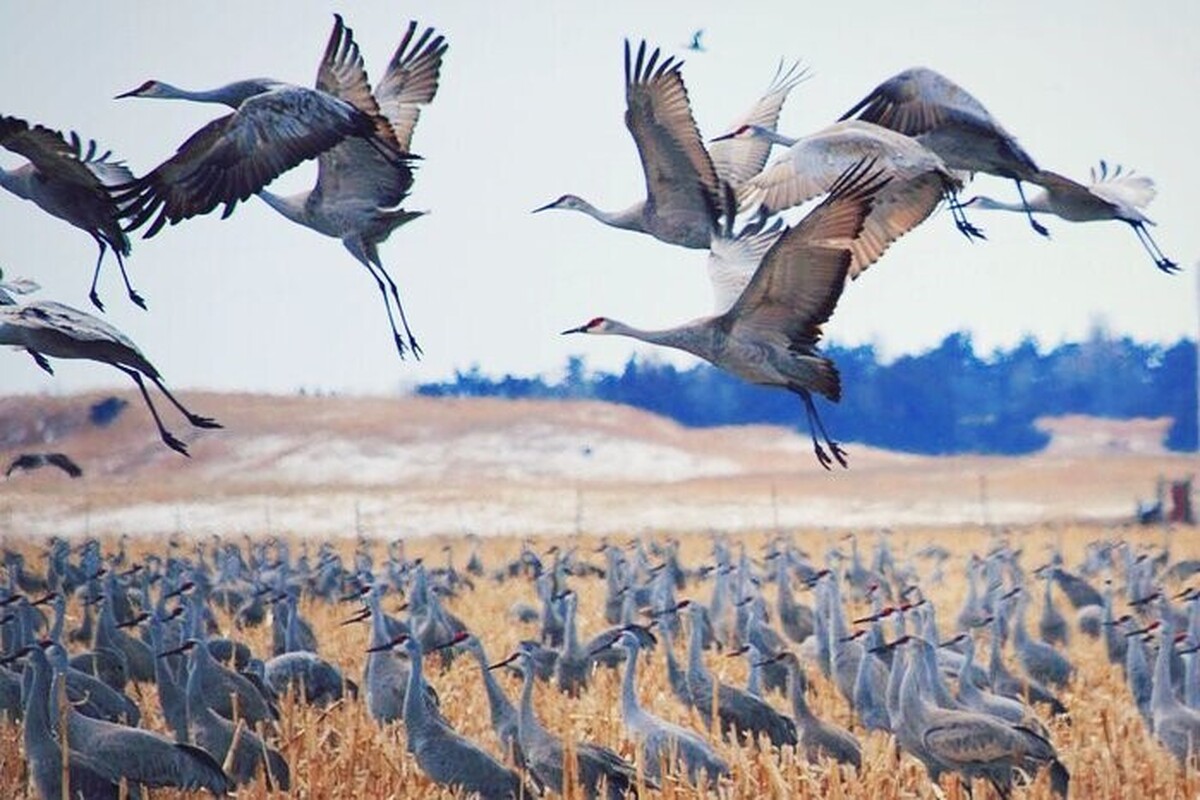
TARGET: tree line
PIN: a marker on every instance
(946, 400)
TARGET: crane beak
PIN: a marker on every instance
(580, 329)
(547, 207)
(130, 93)
(722, 138)
(505, 662)
(388, 645)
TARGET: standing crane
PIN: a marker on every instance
(135, 755)
(944, 117)
(816, 738)
(274, 127)
(48, 329)
(660, 743)
(596, 767)
(359, 190)
(72, 184)
(920, 180)
(1115, 195)
(769, 335)
(447, 757)
(683, 179)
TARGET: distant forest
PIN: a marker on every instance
(946, 400)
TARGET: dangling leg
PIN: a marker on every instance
(94, 295)
(41, 360)
(412, 340)
(133, 295)
(814, 425)
(357, 251)
(1037, 226)
(959, 214)
(1160, 260)
(196, 420)
(168, 439)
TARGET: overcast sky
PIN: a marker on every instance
(530, 107)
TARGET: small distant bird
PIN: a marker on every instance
(695, 44)
(14, 287)
(48, 329)
(769, 335)
(73, 184)
(1112, 194)
(358, 192)
(32, 461)
(274, 127)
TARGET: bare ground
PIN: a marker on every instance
(389, 466)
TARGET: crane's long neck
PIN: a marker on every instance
(294, 207)
(629, 219)
(1038, 202)
(800, 709)
(498, 702)
(695, 646)
(1162, 695)
(416, 714)
(528, 728)
(39, 742)
(689, 338)
(773, 136)
(630, 709)
(232, 94)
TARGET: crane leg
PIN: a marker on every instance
(40, 360)
(1160, 260)
(195, 419)
(957, 212)
(168, 439)
(412, 340)
(137, 299)
(1037, 226)
(815, 425)
(94, 295)
(400, 347)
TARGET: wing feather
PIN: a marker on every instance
(738, 159)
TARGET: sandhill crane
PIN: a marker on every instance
(920, 180)
(695, 44)
(136, 755)
(944, 117)
(1115, 195)
(501, 709)
(682, 177)
(43, 753)
(971, 744)
(1052, 625)
(358, 192)
(661, 743)
(214, 732)
(72, 184)
(976, 699)
(1175, 725)
(1040, 661)
(770, 333)
(31, 461)
(444, 755)
(138, 658)
(315, 680)
(736, 711)
(48, 329)
(545, 756)
(816, 738)
(274, 127)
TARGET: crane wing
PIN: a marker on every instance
(49, 316)
(411, 81)
(918, 101)
(343, 75)
(680, 176)
(800, 280)
(235, 156)
(897, 209)
(65, 463)
(738, 159)
(58, 159)
(733, 260)
(972, 739)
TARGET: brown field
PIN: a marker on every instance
(321, 467)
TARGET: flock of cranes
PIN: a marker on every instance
(911, 144)
(871, 635)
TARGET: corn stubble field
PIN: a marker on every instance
(341, 752)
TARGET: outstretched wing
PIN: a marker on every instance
(738, 159)
(235, 156)
(1122, 188)
(65, 463)
(680, 176)
(732, 262)
(918, 101)
(411, 81)
(800, 280)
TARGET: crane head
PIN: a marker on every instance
(150, 88)
(594, 325)
(567, 201)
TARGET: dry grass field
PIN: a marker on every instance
(341, 753)
(318, 469)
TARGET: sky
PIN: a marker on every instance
(531, 107)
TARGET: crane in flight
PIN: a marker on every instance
(1111, 194)
(274, 126)
(683, 179)
(75, 184)
(359, 190)
(769, 335)
(947, 119)
(46, 329)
